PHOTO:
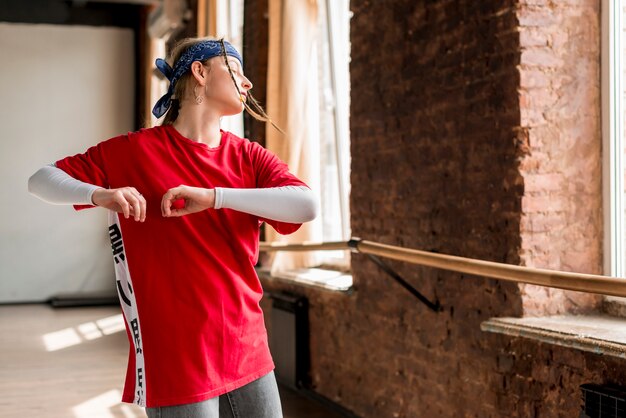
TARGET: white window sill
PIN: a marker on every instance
(316, 277)
(598, 334)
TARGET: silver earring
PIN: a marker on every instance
(198, 98)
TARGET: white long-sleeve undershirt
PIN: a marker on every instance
(53, 185)
(294, 204)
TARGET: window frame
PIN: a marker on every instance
(342, 109)
(612, 66)
(337, 33)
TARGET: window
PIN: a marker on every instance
(158, 83)
(613, 134)
(334, 82)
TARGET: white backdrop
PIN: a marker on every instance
(62, 89)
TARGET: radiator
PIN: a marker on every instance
(289, 339)
(603, 401)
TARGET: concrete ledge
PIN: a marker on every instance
(594, 333)
(326, 279)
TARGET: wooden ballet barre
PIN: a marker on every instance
(304, 246)
(589, 283)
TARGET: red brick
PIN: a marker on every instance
(543, 204)
(534, 78)
(536, 16)
(529, 37)
(543, 57)
(543, 182)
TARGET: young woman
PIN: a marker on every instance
(192, 198)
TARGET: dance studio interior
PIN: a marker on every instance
(468, 258)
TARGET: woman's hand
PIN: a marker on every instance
(126, 200)
(183, 200)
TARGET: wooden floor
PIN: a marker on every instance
(71, 362)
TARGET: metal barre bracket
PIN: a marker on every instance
(434, 306)
(353, 244)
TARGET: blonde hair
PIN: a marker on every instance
(181, 87)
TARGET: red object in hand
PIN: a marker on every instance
(178, 204)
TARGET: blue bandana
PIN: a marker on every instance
(199, 52)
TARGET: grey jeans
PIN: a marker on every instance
(257, 399)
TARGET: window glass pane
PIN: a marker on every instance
(334, 183)
(328, 160)
(158, 83)
(613, 133)
(620, 139)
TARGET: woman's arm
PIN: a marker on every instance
(292, 204)
(53, 185)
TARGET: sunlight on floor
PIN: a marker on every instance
(101, 407)
(68, 337)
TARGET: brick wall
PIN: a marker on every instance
(475, 132)
(541, 380)
(434, 151)
(561, 225)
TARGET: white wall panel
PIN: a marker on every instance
(63, 89)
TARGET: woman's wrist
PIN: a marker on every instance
(209, 199)
(218, 198)
(96, 196)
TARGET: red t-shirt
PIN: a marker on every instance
(187, 285)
